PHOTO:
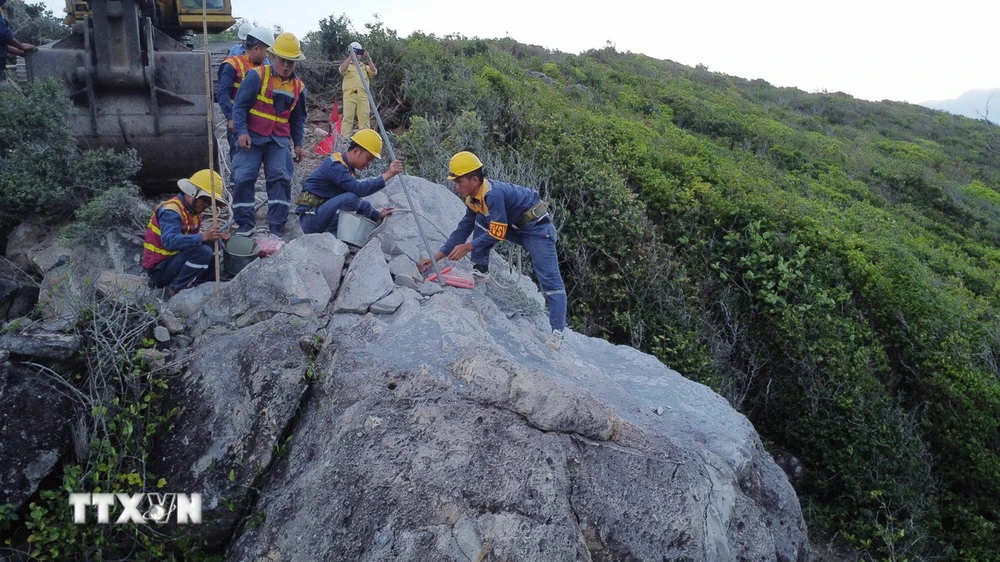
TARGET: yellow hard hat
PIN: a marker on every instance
(370, 141)
(463, 163)
(201, 185)
(287, 47)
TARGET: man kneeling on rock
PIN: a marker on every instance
(176, 253)
(333, 187)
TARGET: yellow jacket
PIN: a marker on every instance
(352, 81)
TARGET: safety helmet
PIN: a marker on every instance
(244, 29)
(463, 163)
(356, 47)
(262, 34)
(287, 47)
(369, 140)
(201, 185)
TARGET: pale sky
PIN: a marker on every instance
(902, 50)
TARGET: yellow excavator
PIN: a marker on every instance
(134, 82)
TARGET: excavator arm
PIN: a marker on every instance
(133, 84)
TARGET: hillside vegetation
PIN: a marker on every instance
(828, 264)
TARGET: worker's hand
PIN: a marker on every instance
(385, 212)
(28, 47)
(299, 153)
(460, 251)
(244, 142)
(211, 234)
(232, 127)
(395, 168)
(424, 264)
(226, 236)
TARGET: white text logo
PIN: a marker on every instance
(138, 508)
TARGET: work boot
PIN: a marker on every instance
(480, 273)
(555, 340)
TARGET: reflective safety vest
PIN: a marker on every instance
(153, 251)
(263, 118)
(241, 64)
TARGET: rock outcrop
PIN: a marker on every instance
(347, 410)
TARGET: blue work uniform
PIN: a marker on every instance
(6, 36)
(492, 214)
(274, 151)
(236, 50)
(194, 263)
(334, 181)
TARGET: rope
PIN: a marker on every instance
(210, 122)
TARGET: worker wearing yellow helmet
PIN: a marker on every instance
(333, 187)
(269, 115)
(505, 211)
(177, 253)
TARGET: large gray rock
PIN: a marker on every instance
(322, 249)
(295, 280)
(41, 344)
(367, 280)
(449, 432)
(438, 210)
(235, 401)
(20, 242)
(35, 420)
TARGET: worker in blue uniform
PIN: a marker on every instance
(505, 211)
(332, 187)
(269, 115)
(232, 71)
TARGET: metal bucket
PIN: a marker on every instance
(239, 252)
(353, 228)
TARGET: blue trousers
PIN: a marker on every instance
(233, 147)
(278, 167)
(180, 271)
(539, 240)
(326, 218)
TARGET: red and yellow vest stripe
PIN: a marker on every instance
(241, 63)
(263, 118)
(153, 251)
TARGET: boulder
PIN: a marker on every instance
(35, 422)
(235, 401)
(295, 280)
(387, 304)
(448, 431)
(41, 344)
(22, 240)
(367, 280)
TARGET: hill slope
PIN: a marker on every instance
(973, 104)
(826, 263)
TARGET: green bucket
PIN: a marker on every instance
(239, 252)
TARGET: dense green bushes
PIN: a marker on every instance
(42, 173)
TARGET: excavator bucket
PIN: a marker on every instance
(133, 87)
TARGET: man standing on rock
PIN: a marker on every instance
(269, 115)
(176, 253)
(356, 102)
(505, 211)
(231, 73)
(333, 187)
